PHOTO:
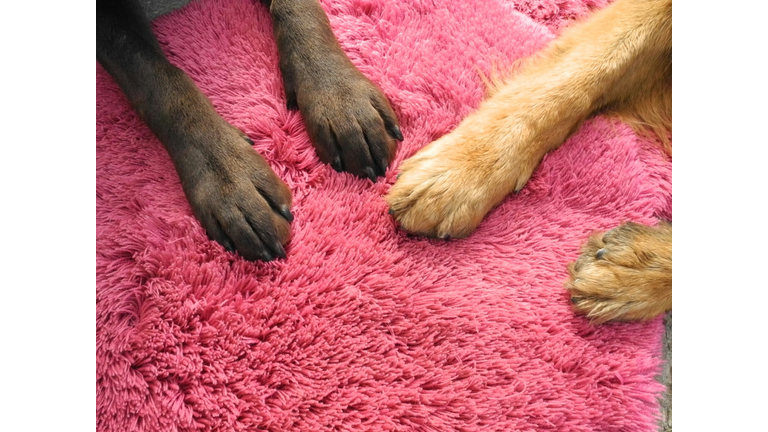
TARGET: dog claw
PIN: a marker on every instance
(228, 246)
(268, 256)
(285, 212)
(398, 133)
(371, 175)
(278, 248)
(601, 253)
(336, 164)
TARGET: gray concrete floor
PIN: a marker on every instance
(666, 377)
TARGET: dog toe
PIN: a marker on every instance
(624, 274)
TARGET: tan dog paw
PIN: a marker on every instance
(624, 274)
(446, 189)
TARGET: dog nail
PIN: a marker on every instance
(575, 300)
(278, 248)
(398, 134)
(286, 213)
(336, 164)
(384, 165)
(268, 256)
(600, 254)
(446, 237)
(371, 175)
(397, 177)
(391, 212)
(250, 141)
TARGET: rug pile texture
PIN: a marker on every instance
(363, 327)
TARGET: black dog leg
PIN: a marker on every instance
(233, 192)
(348, 118)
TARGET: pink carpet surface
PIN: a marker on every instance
(363, 327)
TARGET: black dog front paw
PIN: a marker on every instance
(349, 120)
(238, 199)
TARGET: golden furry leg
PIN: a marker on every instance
(619, 60)
(624, 274)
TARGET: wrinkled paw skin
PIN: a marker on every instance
(236, 196)
(624, 274)
(349, 120)
(447, 188)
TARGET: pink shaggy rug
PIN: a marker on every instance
(363, 327)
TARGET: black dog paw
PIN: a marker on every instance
(236, 196)
(349, 120)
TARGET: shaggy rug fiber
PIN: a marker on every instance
(363, 327)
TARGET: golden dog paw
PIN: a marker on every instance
(446, 189)
(624, 274)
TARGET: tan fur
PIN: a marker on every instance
(624, 274)
(618, 61)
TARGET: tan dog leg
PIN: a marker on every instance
(619, 60)
(624, 274)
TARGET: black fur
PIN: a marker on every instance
(233, 192)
